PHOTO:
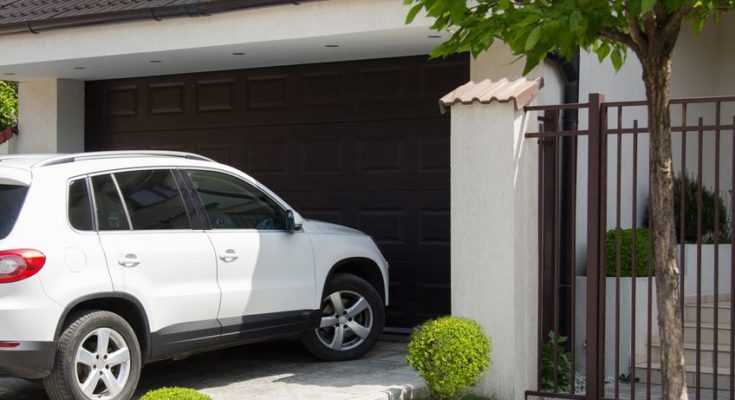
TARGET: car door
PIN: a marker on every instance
(154, 254)
(265, 272)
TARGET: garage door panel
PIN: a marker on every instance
(215, 95)
(414, 301)
(407, 226)
(358, 143)
(386, 89)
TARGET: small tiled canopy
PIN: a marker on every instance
(521, 91)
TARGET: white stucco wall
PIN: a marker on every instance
(50, 116)
(498, 62)
(8, 147)
(494, 185)
(494, 222)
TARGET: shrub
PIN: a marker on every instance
(8, 105)
(626, 252)
(175, 393)
(690, 212)
(450, 354)
(563, 364)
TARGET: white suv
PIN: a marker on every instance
(111, 260)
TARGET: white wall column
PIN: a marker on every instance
(8, 147)
(50, 116)
(494, 222)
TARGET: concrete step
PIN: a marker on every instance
(724, 313)
(706, 376)
(707, 331)
(707, 352)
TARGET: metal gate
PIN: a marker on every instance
(597, 303)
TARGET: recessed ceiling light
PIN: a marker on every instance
(331, 45)
(155, 61)
(80, 68)
(238, 53)
(9, 73)
(434, 36)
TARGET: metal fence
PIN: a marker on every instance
(597, 305)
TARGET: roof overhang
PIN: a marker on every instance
(60, 17)
(284, 34)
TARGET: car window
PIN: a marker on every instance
(231, 203)
(11, 201)
(110, 212)
(153, 200)
(80, 212)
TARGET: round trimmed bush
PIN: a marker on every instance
(175, 393)
(451, 354)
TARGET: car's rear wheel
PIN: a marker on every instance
(352, 318)
(98, 358)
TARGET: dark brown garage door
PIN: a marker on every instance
(357, 143)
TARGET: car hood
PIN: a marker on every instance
(311, 225)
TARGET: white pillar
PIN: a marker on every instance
(8, 147)
(50, 116)
(494, 239)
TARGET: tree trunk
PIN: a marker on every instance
(657, 79)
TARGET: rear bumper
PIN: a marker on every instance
(30, 360)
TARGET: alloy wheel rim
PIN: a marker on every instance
(102, 364)
(347, 320)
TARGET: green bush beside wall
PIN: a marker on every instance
(450, 354)
(625, 237)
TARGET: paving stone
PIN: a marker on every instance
(272, 371)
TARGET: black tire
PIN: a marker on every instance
(350, 289)
(85, 331)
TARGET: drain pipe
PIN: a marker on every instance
(570, 118)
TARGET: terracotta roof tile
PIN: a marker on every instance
(520, 91)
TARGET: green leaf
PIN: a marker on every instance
(533, 38)
(617, 59)
(413, 12)
(647, 6)
(603, 51)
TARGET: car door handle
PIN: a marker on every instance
(229, 256)
(130, 260)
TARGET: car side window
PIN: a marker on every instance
(231, 203)
(153, 200)
(80, 211)
(110, 212)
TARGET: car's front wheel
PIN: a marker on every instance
(352, 320)
(98, 358)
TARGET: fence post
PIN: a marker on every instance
(596, 198)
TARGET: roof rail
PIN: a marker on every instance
(23, 156)
(68, 158)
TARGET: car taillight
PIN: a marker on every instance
(16, 265)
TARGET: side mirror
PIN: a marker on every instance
(290, 221)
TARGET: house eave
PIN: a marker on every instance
(156, 13)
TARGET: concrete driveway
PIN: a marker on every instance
(274, 370)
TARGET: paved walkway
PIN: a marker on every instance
(276, 370)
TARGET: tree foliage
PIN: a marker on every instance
(8, 104)
(535, 28)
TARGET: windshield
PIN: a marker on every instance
(11, 201)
